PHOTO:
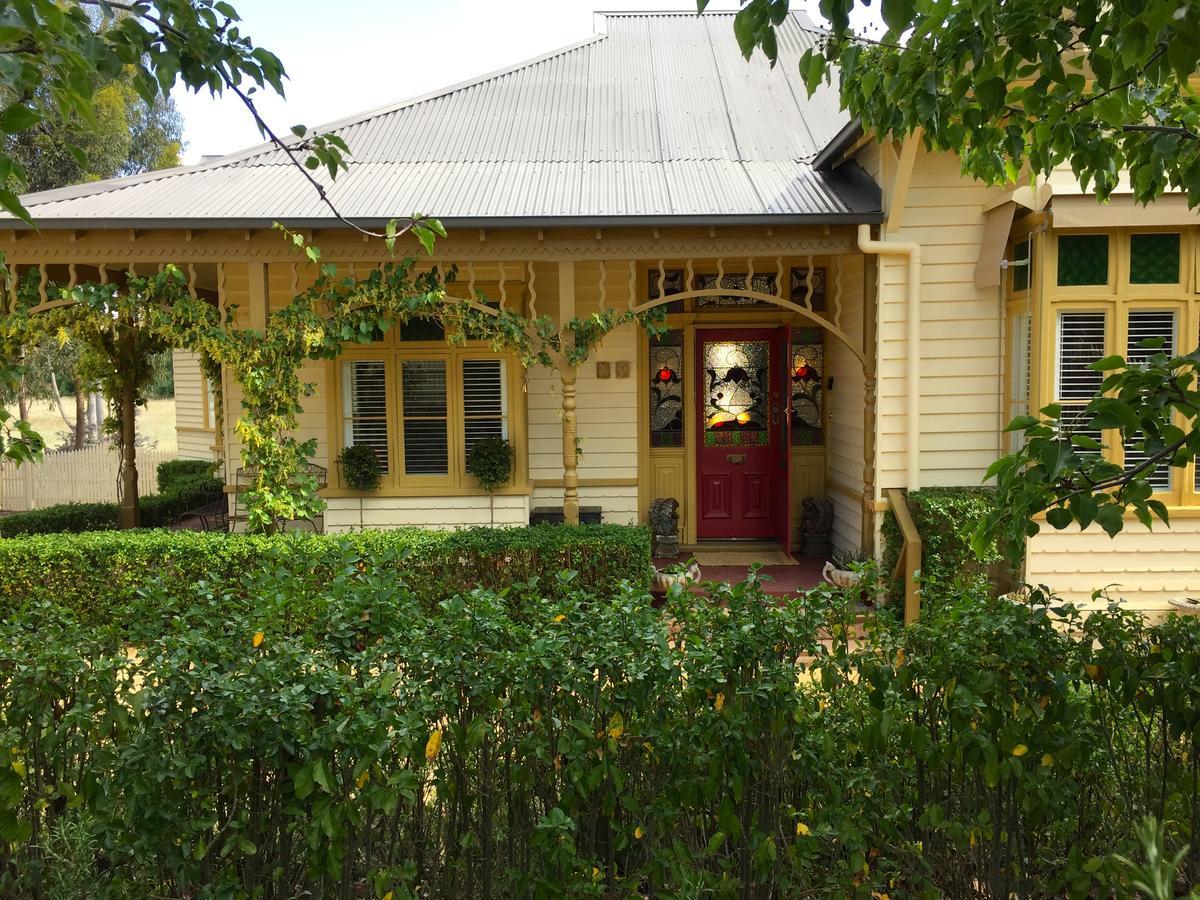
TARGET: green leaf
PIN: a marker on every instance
(1059, 517)
(18, 117)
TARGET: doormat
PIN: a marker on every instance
(743, 558)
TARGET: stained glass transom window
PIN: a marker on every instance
(806, 374)
(736, 393)
(666, 390)
(672, 283)
(800, 284)
(1154, 259)
(1082, 259)
(764, 283)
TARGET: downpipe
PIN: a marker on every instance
(912, 252)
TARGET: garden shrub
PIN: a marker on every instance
(70, 518)
(99, 575)
(174, 472)
(945, 518)
(183, 485)
(575, 745)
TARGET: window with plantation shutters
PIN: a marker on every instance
(1080, 342)
(364, 406)
(1149, 332)
(423, 407)
(485, 400)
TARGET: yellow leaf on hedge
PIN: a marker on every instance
(257, 639)
(387, 896)
(638, 832)
(1093, 671)
(1047, 760)
(433, 745)
(560, 618)
(1020, 750)
(18, 766)
(616, 726)
(899, 660)
(720, 702)
(363, 778)
(802, 830)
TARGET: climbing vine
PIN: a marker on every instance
(338, 309)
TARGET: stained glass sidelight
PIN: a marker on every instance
(764, 283)
(1082, 259)
(736, 393)
(672, 283)
(666, 390)
(799, 287)
(1154, 259)
(807, 371)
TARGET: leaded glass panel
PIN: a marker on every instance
(763, 283)
(807, 373)
(1154, 259)
(800, 284)
(672, 283)
(666, 390)
(1082, 259)
(736, 393)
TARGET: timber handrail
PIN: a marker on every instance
(910, 554)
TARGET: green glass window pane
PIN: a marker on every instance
(1021, 269)
(1154, 259)
(422, 330)
(1082, 259)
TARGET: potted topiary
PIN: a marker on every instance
(490, 461)
(361, 471)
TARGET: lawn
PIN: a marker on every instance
(155, 423)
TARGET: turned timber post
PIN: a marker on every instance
(568, 373)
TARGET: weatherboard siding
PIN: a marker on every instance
(960, 334)
(844, 461)
(1144, 569)
(194, 436)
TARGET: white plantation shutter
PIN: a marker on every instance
(485, 412)
(1149, 325)
(364, 407)
(423, 393)
(1080, 343)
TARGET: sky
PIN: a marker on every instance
(375, 52)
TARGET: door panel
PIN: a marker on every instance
(741, 453)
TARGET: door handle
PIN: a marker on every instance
(736, 458)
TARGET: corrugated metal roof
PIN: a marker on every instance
(658, 119)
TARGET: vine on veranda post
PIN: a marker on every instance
(338, 309)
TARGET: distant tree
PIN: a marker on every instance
(127, 135)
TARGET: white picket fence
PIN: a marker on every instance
(74, 476)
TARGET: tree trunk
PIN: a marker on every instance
(95, 417)
(23, 401)
(58, 399)
(81, 416)
(129, 515)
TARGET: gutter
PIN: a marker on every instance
(912, 252)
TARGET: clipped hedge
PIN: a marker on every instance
(946, 518)
(99, 575)
(70, 518)
(183, 484)
(591, 746)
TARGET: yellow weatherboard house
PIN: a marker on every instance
(846, 318)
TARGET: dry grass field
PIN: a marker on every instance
(155, 423)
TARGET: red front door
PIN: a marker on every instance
(741, 453)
